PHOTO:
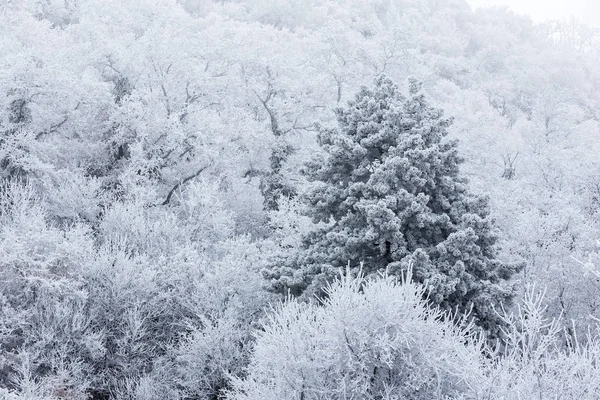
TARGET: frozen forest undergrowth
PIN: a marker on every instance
(298, 199)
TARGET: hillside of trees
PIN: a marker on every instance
(297, 199)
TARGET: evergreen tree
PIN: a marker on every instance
(390, 194)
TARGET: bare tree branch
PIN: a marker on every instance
(265, 102)
(167, 103)
(181, 183)
(55, 127)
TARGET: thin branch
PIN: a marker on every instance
(181, 183)
(168, 104)
(189, 99)
(55, 127)
(183, 115)
(296, 127)
(110, 64)
(339, 81)
(272, 116)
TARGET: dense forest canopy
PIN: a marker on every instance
(155, 158)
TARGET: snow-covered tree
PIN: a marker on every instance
(391, 190)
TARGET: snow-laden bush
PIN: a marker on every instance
(45, 332)
(154, 303)
(370, 339)
(177, 293)
(535, 364)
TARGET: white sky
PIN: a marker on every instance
(540, 10)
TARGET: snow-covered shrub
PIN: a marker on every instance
(140, 307)
(46, 334)
(66, 382)
(370, 339)
(177, 294)
(213, 353)
(535, 364)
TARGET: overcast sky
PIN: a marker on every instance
(540, 10)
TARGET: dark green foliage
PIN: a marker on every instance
(273, 185)
(19, 115)
(19, 112)
(390, 193)
(122, 88)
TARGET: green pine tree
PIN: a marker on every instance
(391, 195)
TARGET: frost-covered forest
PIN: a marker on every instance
(297, 199)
